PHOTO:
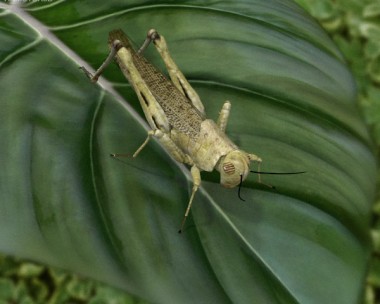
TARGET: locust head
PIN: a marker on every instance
(234, 167)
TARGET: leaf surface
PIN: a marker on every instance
(65, 202)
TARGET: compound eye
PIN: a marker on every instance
(229, 168)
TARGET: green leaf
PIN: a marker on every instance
(65, 202)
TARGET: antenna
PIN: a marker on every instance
(270, 186)
(278, 173)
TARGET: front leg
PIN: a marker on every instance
(196, 175)
(223, 116)
(180, 156)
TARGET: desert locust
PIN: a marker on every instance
(176, 115)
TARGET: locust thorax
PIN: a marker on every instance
(233, 168)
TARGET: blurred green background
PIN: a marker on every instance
(355, 27)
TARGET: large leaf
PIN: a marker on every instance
(64, 202)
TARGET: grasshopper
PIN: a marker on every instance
(177, 116)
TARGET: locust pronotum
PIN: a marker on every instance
(177, 117)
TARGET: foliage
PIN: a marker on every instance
(25, 282)
(333, 17)
(355, 26)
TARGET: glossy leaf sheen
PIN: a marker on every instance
(65, 202)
